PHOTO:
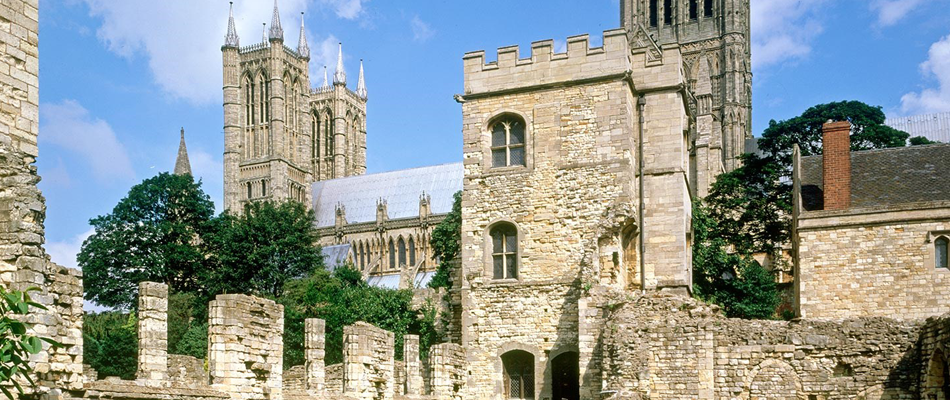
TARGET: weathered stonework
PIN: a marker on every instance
(447, 367)
(245, 346)
(315, 353)
(369, 364)
(153, 333)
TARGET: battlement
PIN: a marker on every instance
(545, 66)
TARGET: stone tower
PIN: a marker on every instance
(280, 135)
(714, 39)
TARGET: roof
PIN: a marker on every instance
(400, 189)
(335, 256)
(885, 177)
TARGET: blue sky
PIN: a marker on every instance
(119, 78)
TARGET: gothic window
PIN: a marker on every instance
(250, 190)
(507, 142)
(362, 256)
(654, 13)
(940, 247)
(693, 9)
(248, 101)
(412, 252)
(504, 253)
(263, 188)
(519, 374)
(263, 87)
(402, 252)
(392, 254)
(707, 8)
(668, 12)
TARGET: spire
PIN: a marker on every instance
(276, 32)
(182, 165)
(339, 77)
(264, 32)
(231, 39)
(326, 78)
(361, 86)
(302, 48)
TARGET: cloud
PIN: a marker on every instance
(181, 39)
(324, 53)
(783, 30)
(64, 253)
(421, 31)
(69, 125)
(210, 170)
(890, 12)
(932, 100)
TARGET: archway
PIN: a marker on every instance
(518, 374)
(565, 379)
(937, 386)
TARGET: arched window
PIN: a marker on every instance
(940, 247)
(264, 88)
(504, 252)
(362, 256)
(392, 254)
(707, 8)
(263, 188)
(654, 13)
(248, 101)
(519, 374)
(693, 9)
(402, 252)
(412, 252)
(250, 191)
(507, 142)
(668, 12)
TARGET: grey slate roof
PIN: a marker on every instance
(885, 177)
(335, 256)
(401, 190)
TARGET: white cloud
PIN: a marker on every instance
(421, 31)
(324, 53)
(64, 253)
(890, 12)
(783, 30)
(932, 100)
(181, 39)
(70, 126)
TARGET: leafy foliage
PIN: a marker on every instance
(261, 250)
(151, 235)
(16, 345)
(920, 140)
(195, 341)
(110, 344)
(446, 243)
(732, 280)
(341, 301)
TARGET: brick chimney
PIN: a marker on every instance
(836, 164)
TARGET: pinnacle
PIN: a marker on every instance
(231, 39)
(339, 77)
(276, 31)
(182, 164)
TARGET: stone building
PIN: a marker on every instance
(871, 230)
(281, 135)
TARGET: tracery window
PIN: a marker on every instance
(519, 374)
(507, 142)
(402, 252)
(263, 188)
(412, 252)
(504, 253)
(940, 248)
(392, 254)
(250, 191)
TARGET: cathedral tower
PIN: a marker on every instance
(714, 38)
(280, 135)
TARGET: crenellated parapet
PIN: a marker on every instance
(545, 66)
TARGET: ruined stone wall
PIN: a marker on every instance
(447, 367)
(875, 262)
(245, 346)
(153, 333)
(669, 347)
(368, 367)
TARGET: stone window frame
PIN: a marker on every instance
(930, 261)
(486, 143)
(540, 360)
(488, 252)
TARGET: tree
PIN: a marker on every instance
(151, 235)
(446, 243)
(733, 280)
(16, 345)
(260, 250)
(110, 344)
(920, 141)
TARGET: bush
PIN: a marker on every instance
(110, 344)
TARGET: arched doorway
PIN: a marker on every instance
(519, 374)
(565, 378)
(937, 386)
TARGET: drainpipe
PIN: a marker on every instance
(641, 103)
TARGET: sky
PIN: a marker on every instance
(120, 78)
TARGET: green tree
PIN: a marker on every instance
(16, 345)
(110, 344)
(446, 243)
(151, 235)
(733, 280)
(920, 141)
(260, 250)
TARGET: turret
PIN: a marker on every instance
(232, 114)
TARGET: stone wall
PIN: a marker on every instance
(872, 262)
(186, 371)
(245, 346)
(368, 365)
(447, 367)
(153, 333)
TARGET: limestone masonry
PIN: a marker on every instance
(574, 280)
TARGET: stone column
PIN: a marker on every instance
(368, 364)
(246, 347)
(153, 333)
(315, 351)
(410, 354)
